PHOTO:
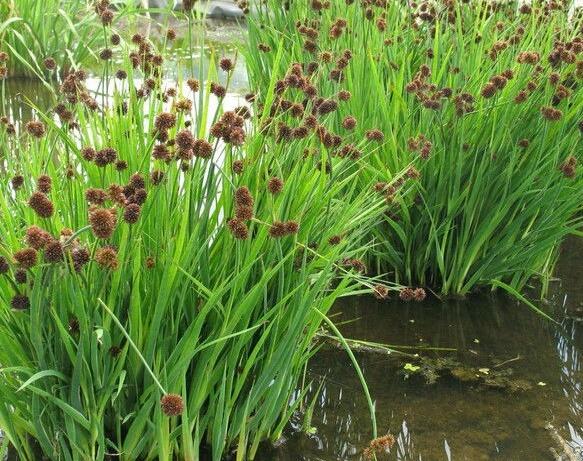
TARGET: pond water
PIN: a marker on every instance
(511, 375)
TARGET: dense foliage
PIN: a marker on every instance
(483, 98)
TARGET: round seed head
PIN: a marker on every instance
(106, 257)
(26, 258)
(20, 302)
(172, 404)
(102, 222)
(41, 204)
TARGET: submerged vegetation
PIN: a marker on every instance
(482, 98)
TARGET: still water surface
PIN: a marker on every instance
(534, 368)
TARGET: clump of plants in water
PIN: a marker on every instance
(165, 261)
(51, 37)
(480, 100)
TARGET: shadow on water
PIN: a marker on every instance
(531, 374)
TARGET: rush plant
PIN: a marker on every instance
(48, 38)
(483, 98)
(165, 262)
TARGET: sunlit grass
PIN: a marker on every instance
(484, 100)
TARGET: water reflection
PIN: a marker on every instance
(453, 418)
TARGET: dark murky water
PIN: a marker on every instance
(511, 374)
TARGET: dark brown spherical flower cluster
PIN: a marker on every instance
(102, 221)
(44, 184)
(551, 114)
(238, 166)
(218, 90)
(349, 122)
(226, 64)
(104, 157)
(80, 256)
(274, 185)
(106, 257)
(354, 263)
(410, 294)
(4, 266)
(41, 204)
(36, 128)
(238, 228)
(229, 128)
(26, 258)
(282, 228)
(131, 213)
(165, 121)
(172, 405)
(335, 240)
(54, 252)
(375, 135)
(569, 167)
(380, 291)
(20, 302)
(37, 238)
(50, 63)
(17, 181)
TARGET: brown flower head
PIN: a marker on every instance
(36, 128)
(80, 257)
(164, 121)
(41, 204)
(156, 177)
(243, 197)
(278, 229)
(380, 291)
(37, 238)
(26, 258)
(54, 252)
(102, 222)
(105, 157)
(20, 276)
(131, 213)
(202, 148)
(335, 240)
(172, 404)
(17, 181)
(238, 166)
(106, 257)
(226, 64)
(274, 185)
(44, 184)
(50, 63)
(238, 228)
(419, 294)
(244, 213)
(88, 153)
(20, 302)
(407, 294)
(375, 135)
(193, 84)
(349, 122)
